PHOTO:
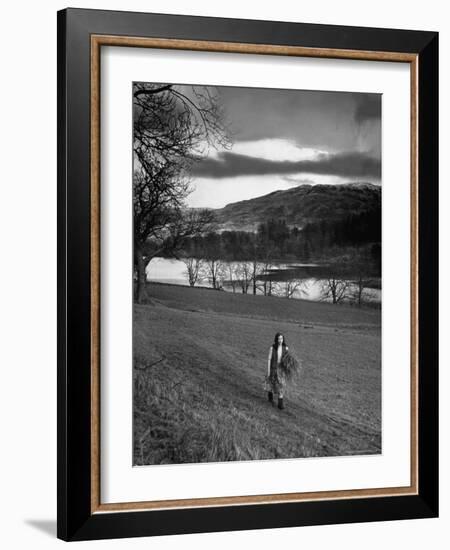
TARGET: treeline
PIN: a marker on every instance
(275, 240)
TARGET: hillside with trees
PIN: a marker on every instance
(283, 227)
(301, 205)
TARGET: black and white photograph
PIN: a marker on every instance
(224, 280)
(257, 273)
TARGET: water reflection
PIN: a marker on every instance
(295, 280)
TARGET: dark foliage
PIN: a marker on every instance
(275, 240)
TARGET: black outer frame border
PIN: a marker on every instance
(75, 521)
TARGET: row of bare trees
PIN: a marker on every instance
(338, 290)
(243, 277)
(254, 277)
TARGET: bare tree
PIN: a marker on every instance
(335, 288)
(287, 289)
(291, 287)
(213, 266)
(264, 270)
(244, 270)
(166, 237)
(231, 272)
(174, 127)
(267, 284)
(362, 267)
(359, 285)
(258, 269)
(193, 270)
(276, 289)
(268, 287)
(213, 269)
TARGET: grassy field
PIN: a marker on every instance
(199, 361)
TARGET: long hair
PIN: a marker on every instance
(275, 340)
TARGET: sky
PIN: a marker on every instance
(284, 138)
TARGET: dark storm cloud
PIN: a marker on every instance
(331, 121)
(368, 107)
(230, 165)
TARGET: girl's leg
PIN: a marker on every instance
(280, 400)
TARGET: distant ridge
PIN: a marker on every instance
(300, 205)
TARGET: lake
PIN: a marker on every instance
(308, 278)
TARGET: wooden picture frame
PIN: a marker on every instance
(81, 35)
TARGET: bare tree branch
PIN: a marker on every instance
(173, 129)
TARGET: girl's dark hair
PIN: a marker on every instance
(275, 340)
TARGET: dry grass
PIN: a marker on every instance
(199, 365)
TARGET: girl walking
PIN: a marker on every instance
(281, 367)
(276, 380)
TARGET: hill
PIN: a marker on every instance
(300, 205)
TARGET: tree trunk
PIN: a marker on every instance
(360, 290)
(140, 263)
(213, 273)
(333, 291)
